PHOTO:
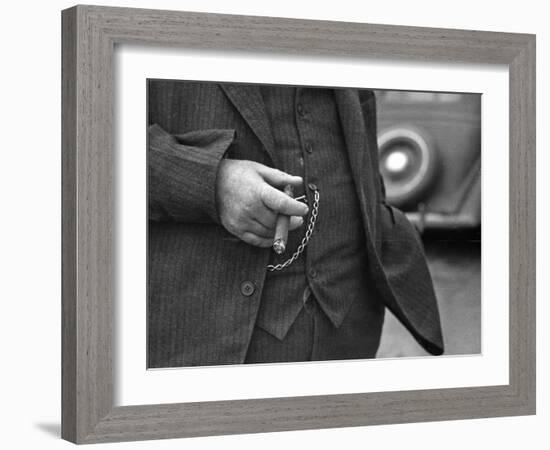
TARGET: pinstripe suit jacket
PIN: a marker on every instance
(200, 308)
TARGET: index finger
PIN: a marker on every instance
(281, 203)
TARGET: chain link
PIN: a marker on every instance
(305, 239)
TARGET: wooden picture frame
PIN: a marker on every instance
(89, 36)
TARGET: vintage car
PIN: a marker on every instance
(430, 157)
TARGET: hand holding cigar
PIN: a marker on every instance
(250, 198)
(281, 226)
(283, 222)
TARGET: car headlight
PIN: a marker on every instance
(407, 164)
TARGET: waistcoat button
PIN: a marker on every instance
(247, 288)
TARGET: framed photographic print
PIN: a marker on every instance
(268, 222)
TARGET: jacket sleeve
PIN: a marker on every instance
(181, 174)
(407, 283)
(412, 297)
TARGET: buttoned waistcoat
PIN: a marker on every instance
(204, 284)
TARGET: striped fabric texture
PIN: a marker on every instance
(309, 140)
(205, 286)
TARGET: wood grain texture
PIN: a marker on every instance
(68, 225)
(89, 36)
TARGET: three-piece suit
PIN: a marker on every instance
(209, 293)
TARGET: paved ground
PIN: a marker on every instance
(456, 271)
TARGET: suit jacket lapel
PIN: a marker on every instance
(353, 126)
(248, 101)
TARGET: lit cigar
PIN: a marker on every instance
(281, 226)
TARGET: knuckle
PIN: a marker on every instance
(262, 193)
(233, 225)
(226, 222)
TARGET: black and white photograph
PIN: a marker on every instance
(275, 225)
(289, 224)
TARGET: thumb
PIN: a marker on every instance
(278, 178)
